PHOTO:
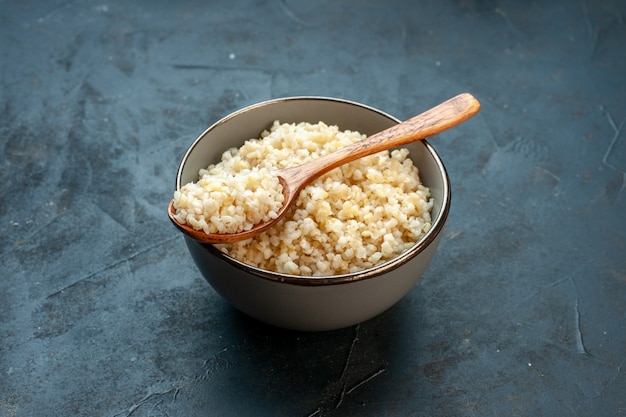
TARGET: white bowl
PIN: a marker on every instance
(313, 303)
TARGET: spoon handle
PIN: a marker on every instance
(436, 120)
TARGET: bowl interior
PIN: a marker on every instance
(247, 123)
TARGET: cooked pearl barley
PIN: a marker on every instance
(354, 217)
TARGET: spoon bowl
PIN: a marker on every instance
(439, 118)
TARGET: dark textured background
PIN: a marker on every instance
(102, 312)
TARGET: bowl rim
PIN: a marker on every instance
(437, 224)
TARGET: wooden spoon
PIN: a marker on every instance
(442, 117)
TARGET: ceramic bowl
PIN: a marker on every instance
(313, 303)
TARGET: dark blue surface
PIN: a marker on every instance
(102, 312)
